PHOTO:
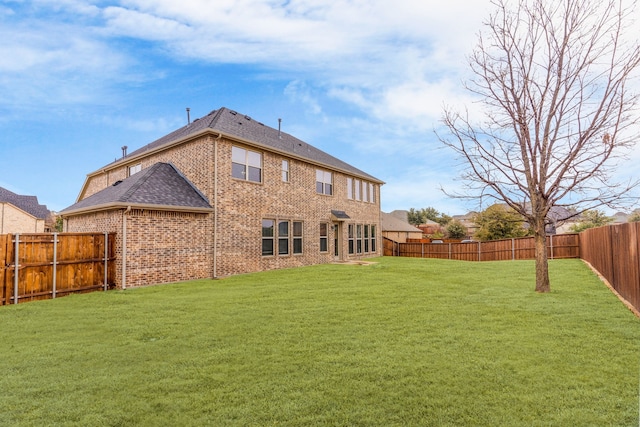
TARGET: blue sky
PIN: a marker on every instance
(364, 80)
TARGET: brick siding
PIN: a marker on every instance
(161, 244)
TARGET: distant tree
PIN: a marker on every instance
(635, 216)
(591, 219)
(415, 217)
(555, 81)
(59, 224)
(456, 230)
(499, 222)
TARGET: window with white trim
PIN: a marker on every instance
(135, 169)
(285, 170)
(246, 164)
(349, 188)
(324, 182)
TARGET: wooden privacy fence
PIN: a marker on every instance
(43, 266)
(614, 251)
(558, 246)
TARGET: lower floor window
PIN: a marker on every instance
(361, 238)
(324, 237)
(268, 233)
(287, 234)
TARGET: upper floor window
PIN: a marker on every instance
(372, 193)
(357, 189)
(135, 169)
(246, 164)
(324, 182)
(285, 170)
(349, 188)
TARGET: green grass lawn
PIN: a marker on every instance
(406, 342)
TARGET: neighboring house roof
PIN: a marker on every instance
(389, 222)
(235, 125)
(160, 186)
(28, 204)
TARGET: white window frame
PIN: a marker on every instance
(246, 159)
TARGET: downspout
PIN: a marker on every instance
(124, 247)
(215, 205)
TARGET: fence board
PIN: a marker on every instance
(80, 264)
(5, 290)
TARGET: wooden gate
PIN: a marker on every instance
(43, 266)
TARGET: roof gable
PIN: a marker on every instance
(161, 185)
(233, 124)
(29, 204)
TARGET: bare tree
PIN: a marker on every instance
(553, 78)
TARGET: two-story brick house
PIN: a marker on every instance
(227, 195)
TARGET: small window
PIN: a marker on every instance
(268, 229)
(135, 169)
(349, 188)
(285, 170)
(324, 182)
(357, 189)
(297, 237)
(373, 238)
(246, 164)
(351, 239)
(366, 238)
(283, 237)
(365, 192)
(324, 237)
(359, 238)
(372, 193)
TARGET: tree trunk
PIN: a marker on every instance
(542, 266)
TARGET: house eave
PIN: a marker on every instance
(139, 206)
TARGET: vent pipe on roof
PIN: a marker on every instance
(279, 126)
(188, 116)
(124, 151)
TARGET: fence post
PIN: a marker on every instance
(422, 248)
(551, 244)
(479, 251)
(106, 256)
(513, 249)
(16, 269)
(55, 262)
(449, 250)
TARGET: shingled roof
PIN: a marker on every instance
(233, 124)
(29, 204)
(160, 186)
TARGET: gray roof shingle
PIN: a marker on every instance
(232, 123)
(159, 185)
(28, 204)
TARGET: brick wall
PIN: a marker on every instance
(234, 234)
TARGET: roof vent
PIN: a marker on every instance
(247, 117)
(116, 183)
(233, 112)
(188, 116)
(124, 150)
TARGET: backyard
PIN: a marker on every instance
(403, 341)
